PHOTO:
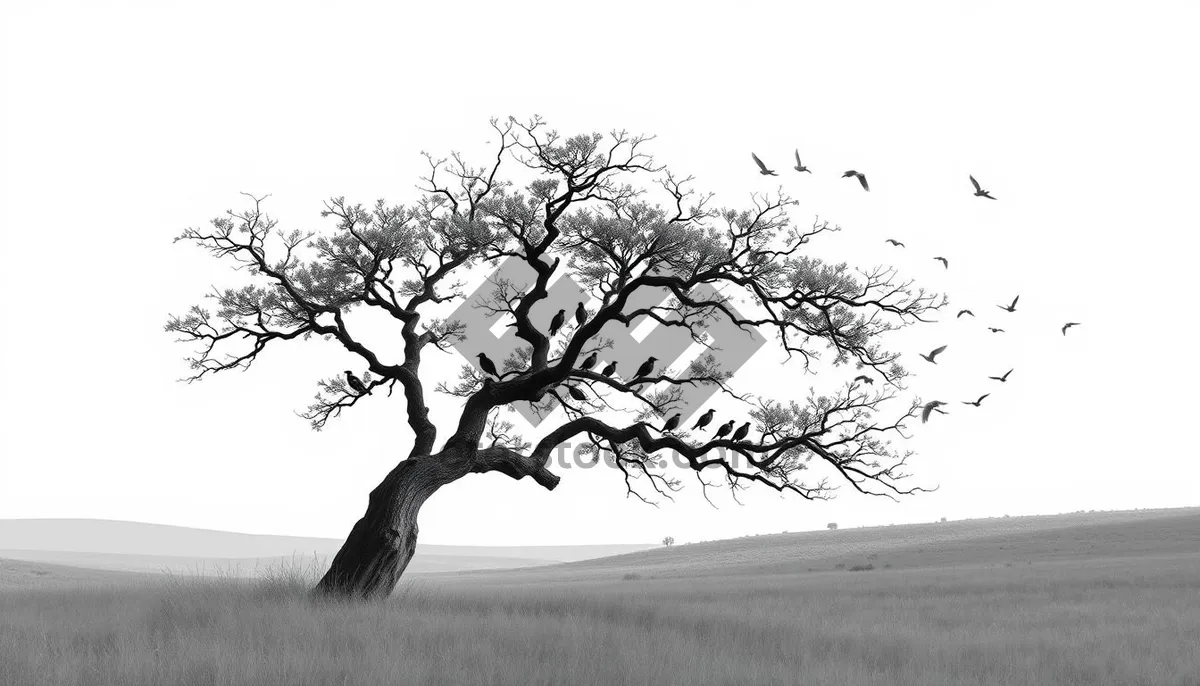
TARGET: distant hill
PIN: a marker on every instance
(137, 546)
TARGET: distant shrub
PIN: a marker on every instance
(832, 526)
(862, 568)
(839, 565)
(669, 541)
(631, 577)
(943, 520)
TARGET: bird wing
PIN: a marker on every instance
(862, 178)
(976, 183)
(798, 162)
(759, 162)
(926, 412)
(938, 351)
(981, 398)
(1014, 305)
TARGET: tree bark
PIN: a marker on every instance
(371, 561)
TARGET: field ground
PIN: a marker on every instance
(1109, 598)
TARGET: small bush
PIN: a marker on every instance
(840, 565)
(631, 577)
(862, 568)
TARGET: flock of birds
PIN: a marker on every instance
(672, 423)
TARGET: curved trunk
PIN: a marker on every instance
(382, 543)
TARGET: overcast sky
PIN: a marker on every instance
(125, 123)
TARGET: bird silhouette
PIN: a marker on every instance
(1012, 307)
(862, 178)
(944, 261)
(995, 330)
(979, 191)
(608, 371)
(705, 420)
(762, 168)
(932, 354)
(724, 429)
(894, 242)
(1067, 326)
(557, 322)
(1002, 379)
(486, 364)
(800, 165)
(589, 362)
(741, 432)
(962, 312)
(355, 383)
(671, 423)
(576, 393)
(646, 368)
(864, 378)
(976, 403)
(929, 408)
(580, 314)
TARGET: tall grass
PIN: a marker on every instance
(1132, 621)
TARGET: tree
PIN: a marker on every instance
(669, 541)
(578, 212)
(832, 526)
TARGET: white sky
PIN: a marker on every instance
(126, 124)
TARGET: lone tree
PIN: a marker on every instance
(668, 541)
(832, 526)
(672, 259)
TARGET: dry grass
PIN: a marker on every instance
(1099, 620)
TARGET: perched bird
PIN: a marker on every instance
(671, 423)
(1067, 326)
(487, 365)
(580, 314)
(741, 432)
(724, 429)
(979, 191)
(355, 383)
(995, 330)
(608, 371)
(576, 393)
(800, 165)
(705, 420)
(976, 403)
(864, 378)
(862, 178)
(1012, 307)
(557, 322)
(932, 354)
(589, 362)
(762, 168)
(929, 408)
(894, 242)
(1002, 379)
(646, 368)
(962, 312)
(944, 261)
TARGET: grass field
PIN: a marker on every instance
(1110, 598)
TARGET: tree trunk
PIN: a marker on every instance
(382, 543)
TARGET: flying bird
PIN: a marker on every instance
(671, 423)
(864, 378)
(576, 393)
(1012, 307)
(557, 322)
(976, 403)
(1002, 379)
(724, 429)
(762, 168)
(932, 354)
(894, 242)
(705, 420)
(862, 178)
(741, 432)
(580, 314)
(800, 165)
(608, 371)
(646, 368)
(1067, 326)
(929, 408)
(589, 362)
(944, 261)
(962, 312)
(487, 365)
(995, 330)
(355, 383)
(979, 191)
